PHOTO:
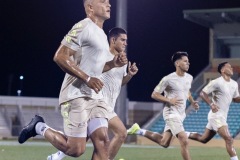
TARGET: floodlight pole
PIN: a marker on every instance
(121, 107)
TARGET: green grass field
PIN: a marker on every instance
(39, 151)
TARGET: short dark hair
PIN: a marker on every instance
(115, 32)
(220, 66)
(178, 55)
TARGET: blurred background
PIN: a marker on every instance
(31, 31)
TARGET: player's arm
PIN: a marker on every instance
(63, 60)
(236, 95)
(132, 71)
(192, 101)
(205, 97)
(159, 97)
(236, 100)
(118, 61)
(159, 89)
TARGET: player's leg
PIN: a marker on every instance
(72, 146)
(97, 129)
(75, 116)
(96, 126)
(166, 138)
(153, 136)
(99, 135)
(203, 138)
(120, 134)
(38, 127)
(224, 133)
(59, 155)
(93, 125)
(163, 140)
(183, 140)
(175, 125)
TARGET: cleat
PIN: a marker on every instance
(133, 130)
(56, 156)
(49, 157)
(29, 130)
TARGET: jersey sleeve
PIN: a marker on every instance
(210, 87)
(161, 85)
(236, 93)
(73, 39)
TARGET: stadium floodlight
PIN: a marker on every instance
(19, 92)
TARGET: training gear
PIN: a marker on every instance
(29, 130)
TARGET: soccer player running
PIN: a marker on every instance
(176, 88)
(113, 80)
(224, 90)
(83, 55)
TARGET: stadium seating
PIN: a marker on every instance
(5, 127)
(50, 115)
(8, 120)
(16, 112)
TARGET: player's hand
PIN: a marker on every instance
(95, 84)
(120, 60)
(132, 69)
(214, 107)
(195, 105)
(175, 102)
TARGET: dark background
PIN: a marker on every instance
(31, 31)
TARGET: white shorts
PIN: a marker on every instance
(111, 115)
(174, 125)
(216, 122)
(78, 112)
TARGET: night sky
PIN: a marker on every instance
(31, 31)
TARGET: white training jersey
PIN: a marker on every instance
(92, 48)
(222, 94)
(112, 81)
(178, 87)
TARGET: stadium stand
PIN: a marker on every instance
(5, 125)
(197, 121)
(16, 112)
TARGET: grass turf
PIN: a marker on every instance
(39, 151)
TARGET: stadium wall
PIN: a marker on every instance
(212, 143)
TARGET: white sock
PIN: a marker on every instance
(58, 155)
(234, 158)
(141, 132)
(188, 133)
(41, 128)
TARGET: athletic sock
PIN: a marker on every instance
(41, 128)
(58, 155)
(141, 132)
(188, 134)
(234, 158)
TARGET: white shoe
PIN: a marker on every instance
(49, 157)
